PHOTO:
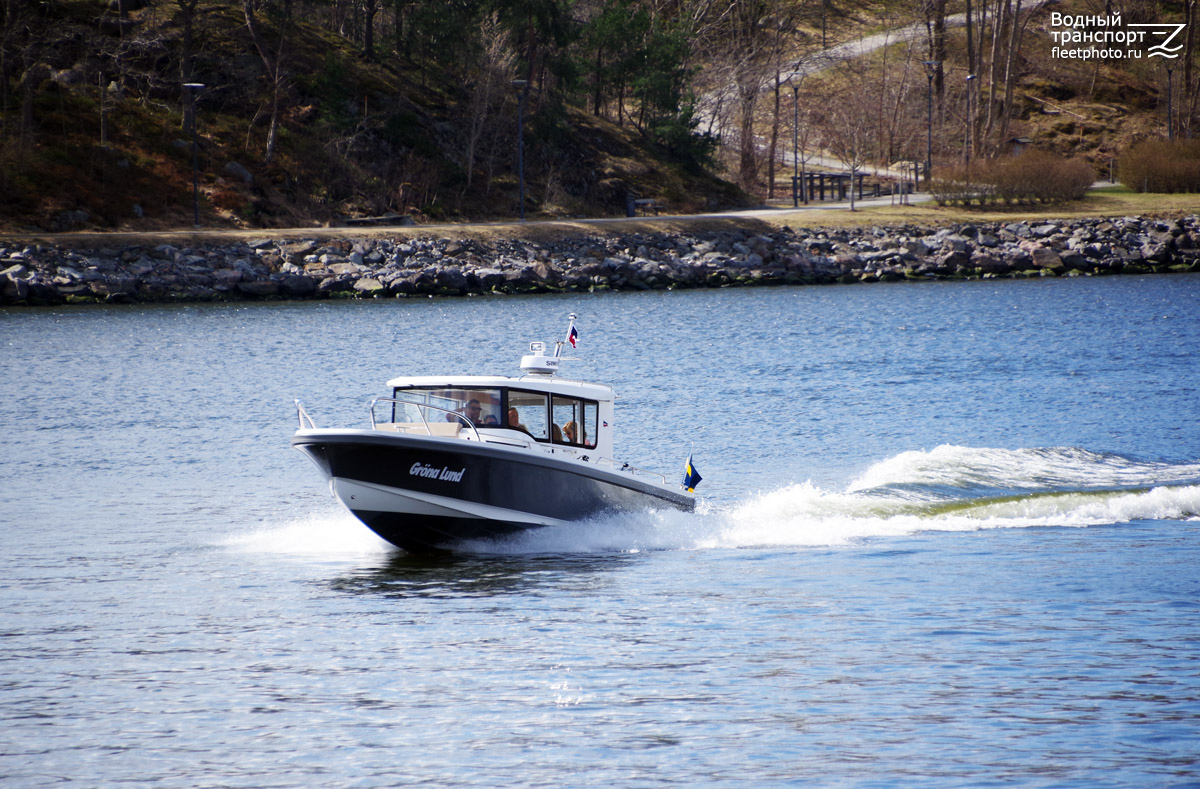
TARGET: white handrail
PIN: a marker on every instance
(636, 470)
(304, 417)
(420, 410)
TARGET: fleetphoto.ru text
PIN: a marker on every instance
(1104, 37)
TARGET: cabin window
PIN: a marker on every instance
(481, 406)
(527, 411)
(591, 421)
(575, 421)
(558, 419)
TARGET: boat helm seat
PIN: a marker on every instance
(439, 429)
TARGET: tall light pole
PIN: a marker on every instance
(795, 144)
(970, 120)
(522, 87)
(193, 88)
(930, 70)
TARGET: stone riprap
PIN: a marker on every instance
(382, 267)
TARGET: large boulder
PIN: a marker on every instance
(1046, 258)
(259, 288)
(297, 286)
(13, 288)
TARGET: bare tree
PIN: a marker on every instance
(8, 35)
(1016, 30)
(772, 147)
(272, 62)
(370, 9)
(489, 87)
(187, 54)
(935, 25)
(804, 132)
(782, 26)
(848, 129)
(31, 81)
(734, 38)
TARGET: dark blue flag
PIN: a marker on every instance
(691, 477)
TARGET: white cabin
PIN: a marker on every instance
(539, 411)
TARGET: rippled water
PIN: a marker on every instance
(949, 537)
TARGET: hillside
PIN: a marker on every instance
(311, 118)
(108, 146)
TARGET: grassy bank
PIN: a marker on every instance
(1104, 201)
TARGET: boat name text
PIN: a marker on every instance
(433, 472)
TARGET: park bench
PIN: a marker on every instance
(646, 205)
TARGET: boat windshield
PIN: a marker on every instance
(556, 419)
(480, 406)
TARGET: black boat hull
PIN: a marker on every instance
(425, 493)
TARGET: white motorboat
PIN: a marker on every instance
(467, 457)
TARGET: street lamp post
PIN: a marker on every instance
(970, 123)
(796, 185)
(930, 70)
(522, 87)
(193, 88)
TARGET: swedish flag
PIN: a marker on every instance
(691, 477)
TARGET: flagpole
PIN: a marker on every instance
(559, 346)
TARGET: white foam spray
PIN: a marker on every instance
(949, 488)
(327, 533)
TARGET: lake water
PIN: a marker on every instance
(949, 537)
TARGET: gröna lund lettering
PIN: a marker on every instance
(432, 472)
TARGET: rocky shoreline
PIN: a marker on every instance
(406, 267)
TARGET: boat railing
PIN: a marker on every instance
(636, 470)
(421, 411)
(304, 418)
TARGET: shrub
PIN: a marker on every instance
(1031, 177)
(1162, 166)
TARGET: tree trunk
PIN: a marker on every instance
(970, 40)
(1001, 16)
(30, 82)
(371, 8)
(103, 111)
(274, 66)
(1014, 44)
(1189, 49)
(938, 49)
(597, 87)
(187, 58)
(747, 161)
(774, 141)
(187, 11)
(6, 35)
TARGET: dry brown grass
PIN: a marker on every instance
(1102, 202)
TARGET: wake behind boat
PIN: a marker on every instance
(469, 457)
